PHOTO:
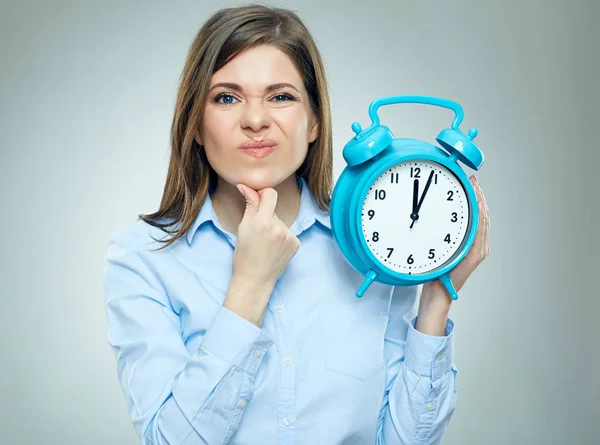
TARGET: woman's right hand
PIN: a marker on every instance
(265, 246)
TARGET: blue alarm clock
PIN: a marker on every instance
(403, 211)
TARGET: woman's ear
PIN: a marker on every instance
(197, 138)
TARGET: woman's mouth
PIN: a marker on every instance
(258, 152)
(258, 149)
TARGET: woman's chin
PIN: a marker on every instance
(257, 182)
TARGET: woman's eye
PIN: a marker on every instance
(228, 98)
(286, 96)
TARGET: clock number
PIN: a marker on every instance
(431, 254)
(375, 237)
(435, 180)
(447, 239)
(391, 249)
(417, 172)
(380, 194)
(450, 194)
(371, 214)
(395, 178)
(410, 259)
(454, 217)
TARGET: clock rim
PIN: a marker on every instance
(419, 151)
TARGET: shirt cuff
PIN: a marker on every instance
(429, 355)
(236, 340)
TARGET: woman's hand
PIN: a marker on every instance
(435, 299)
(265, 246)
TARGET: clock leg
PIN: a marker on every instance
(369, 278)
(447, 282)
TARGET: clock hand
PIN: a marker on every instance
(413, 214)
(416, 214)
(425, 191)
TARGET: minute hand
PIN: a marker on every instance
(422, 197)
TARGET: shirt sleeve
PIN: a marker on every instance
(420, 393)
(173, 396)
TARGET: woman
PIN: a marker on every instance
(243, 327)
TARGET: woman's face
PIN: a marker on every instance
(265, 99)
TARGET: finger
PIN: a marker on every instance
(481, 200)
(268, 201)
(485, 211)
(487, 216)
(485, 219)
(252, 198)
(480, 209)
(481, 242)
(485, 222)
(476, 188)
(487, 225)
(479, 236)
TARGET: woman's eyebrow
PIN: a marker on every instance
(236, 87)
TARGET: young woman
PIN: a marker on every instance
(231, 311)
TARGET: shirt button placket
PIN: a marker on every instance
(286, 408)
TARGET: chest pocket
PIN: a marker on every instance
(352, 337)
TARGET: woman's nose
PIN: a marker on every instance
(255, 115)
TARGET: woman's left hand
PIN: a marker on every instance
(434, 291)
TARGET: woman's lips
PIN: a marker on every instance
(258, 144)
(258, 152)
(258, 149)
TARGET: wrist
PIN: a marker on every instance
(435, 297)
(248, 299)
(252, 287)
(434, 307)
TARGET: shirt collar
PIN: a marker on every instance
(308, 213)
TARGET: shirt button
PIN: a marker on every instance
(287, 420)
(439, 356)
(258, 353)
(243, 403)
(287, 360)
(430, 406)
(279, 308)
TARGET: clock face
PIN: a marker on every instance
(415, 216)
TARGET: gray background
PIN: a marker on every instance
(87, 92)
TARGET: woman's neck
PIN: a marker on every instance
(229, 204)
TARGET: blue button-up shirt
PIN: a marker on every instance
(325, 367)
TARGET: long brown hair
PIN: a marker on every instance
(226, 33)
